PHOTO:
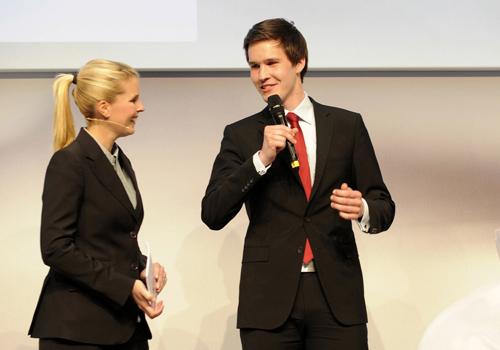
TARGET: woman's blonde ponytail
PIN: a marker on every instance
(64, 126)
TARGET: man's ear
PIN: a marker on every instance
(300, 65)
(103, 108)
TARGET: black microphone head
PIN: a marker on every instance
(274, 101)
(276, 108)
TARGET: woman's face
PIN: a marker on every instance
(126, 108)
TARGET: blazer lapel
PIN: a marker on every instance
(125, 162)
(104, 171)
(324, 134)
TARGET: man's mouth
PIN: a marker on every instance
(266, 87)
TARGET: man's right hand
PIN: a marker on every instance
(275, 137)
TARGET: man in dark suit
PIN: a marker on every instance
(288, 300)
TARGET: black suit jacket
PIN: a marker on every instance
(281, 217)
(89, 240)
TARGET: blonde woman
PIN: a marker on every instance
(94, 296)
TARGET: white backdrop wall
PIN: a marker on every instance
(436, 138)
(201, 34)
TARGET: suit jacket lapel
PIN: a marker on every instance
(104, 171)
(125, 162)
(324, 134)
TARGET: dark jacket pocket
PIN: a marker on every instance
(350, 250)
(255, 254)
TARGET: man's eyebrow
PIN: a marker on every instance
(270, 59)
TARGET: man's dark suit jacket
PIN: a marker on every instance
(89, 241)
(281, 217)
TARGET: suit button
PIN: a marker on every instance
(307, 220)
(134, 267)
(252, 180)
(300, 250)
(133, 235)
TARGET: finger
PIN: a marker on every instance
(147, 303)
(344, 190)
(349, 209)
(338, 195)
(352, 201)
(291, 136)
(280, 133)
(161, 283)
(355, 194)
(159, 306)
(347, 216)
(158, 269)
(160, 274)
(275, 142)
(341, 192)
(280, 139)
(158, 309)
(146, 307)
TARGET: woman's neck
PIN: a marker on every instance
(103, 135)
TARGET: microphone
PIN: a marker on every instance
(278, 112)
(108, 121)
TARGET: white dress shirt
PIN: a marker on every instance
(307, 123)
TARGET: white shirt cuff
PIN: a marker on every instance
(364, 224)
(259, 167)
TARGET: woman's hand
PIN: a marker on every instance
(142, 298)
(161, 277)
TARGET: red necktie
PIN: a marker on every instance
(305, 175)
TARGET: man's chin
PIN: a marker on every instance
(266, 95)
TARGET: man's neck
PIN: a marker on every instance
(295, 100)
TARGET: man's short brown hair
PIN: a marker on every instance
(286, 34)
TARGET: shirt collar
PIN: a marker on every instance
(112, 157)
(305, 110)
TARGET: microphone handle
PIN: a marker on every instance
(294, 158)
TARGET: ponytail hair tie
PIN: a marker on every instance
(74, 79)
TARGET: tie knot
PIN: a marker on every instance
(293, 119)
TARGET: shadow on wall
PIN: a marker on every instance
(471, 323)
(392, 320)
(209, 281)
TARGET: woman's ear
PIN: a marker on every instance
(103, 108)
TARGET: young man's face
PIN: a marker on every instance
(273, 73)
